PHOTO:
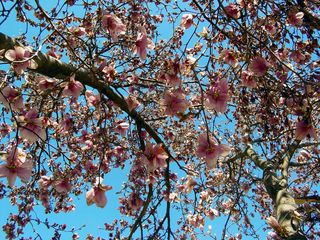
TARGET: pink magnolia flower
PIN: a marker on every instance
(209, 150)
(45, 83)
(20, 58)
(62, 186)
(113, 25)
(229, 57)
(232, 10)
(134, 201)
(142, 43)
(259, 66)
(32, 127)
(11, 97)
(175, 102)
(97, 193)
(187, 21)
(16, 166)
(305, 129)
(121, 127)
(217, 96)
(248, 80)
(91, 98)
(132, 102)
(189, 185)
(73, 88)
(295, 18)
(154, 156)
(45, 182)
(298, 57)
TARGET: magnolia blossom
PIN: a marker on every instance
(62, 186)
(121, 127)
(92, 98)
(11, 98)
(229, 57)
(142, 43)
(259, 66)
(97, 193)
(45, 83)
(73, 88)
(248, 79)
(187, 21)
(32, 127)
(295, 18)
(209, 150)
(232, 10)
(154, 156)
(132, 102)
(189, 185)
(113, 26)
(305, 129)
(21, 58)
(16, 166)
(217, 96)
(175, 102)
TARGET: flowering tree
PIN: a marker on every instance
(211, 108)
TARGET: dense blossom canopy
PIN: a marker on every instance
(209, 109)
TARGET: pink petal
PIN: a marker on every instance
(100, 198)
(10, 55)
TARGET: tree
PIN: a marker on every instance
(213, 106)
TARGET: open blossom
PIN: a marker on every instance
(305, 129)
(295, 18)
(232, 10)
(97, 193)
(229, 57)
(155, 156)
(73, 88)
(132, 102)
(248, 80)
(113, 25)
(187, 21)
(16, 166)
(209, 150)
(11, 97)
(174, 102)
(259, 66)
(32, 128)
(45, 83)
(62, 186)
(121, 127)
(20, 57)
(92, 98)
(142, 43)
(217, 96)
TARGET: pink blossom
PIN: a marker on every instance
(135, 201)
(232, 10)
(32, 127)
(155, 156)
(229, 57)
(62, 186)
(20, 57)
(121, 127)
(295, 18)
(113, 25)
(298, 57)
(97, 193)
(16, 166)
(217, 96)
(259, 66)
(45, 83)
(187, 21)
(175, 102)
(142, 43)
(305, 129)
(189, 185)
(73, 88)
(92, 98)
(209, 150)
(45, 182)
(248, 79)
(11, 97)
(132, 102)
